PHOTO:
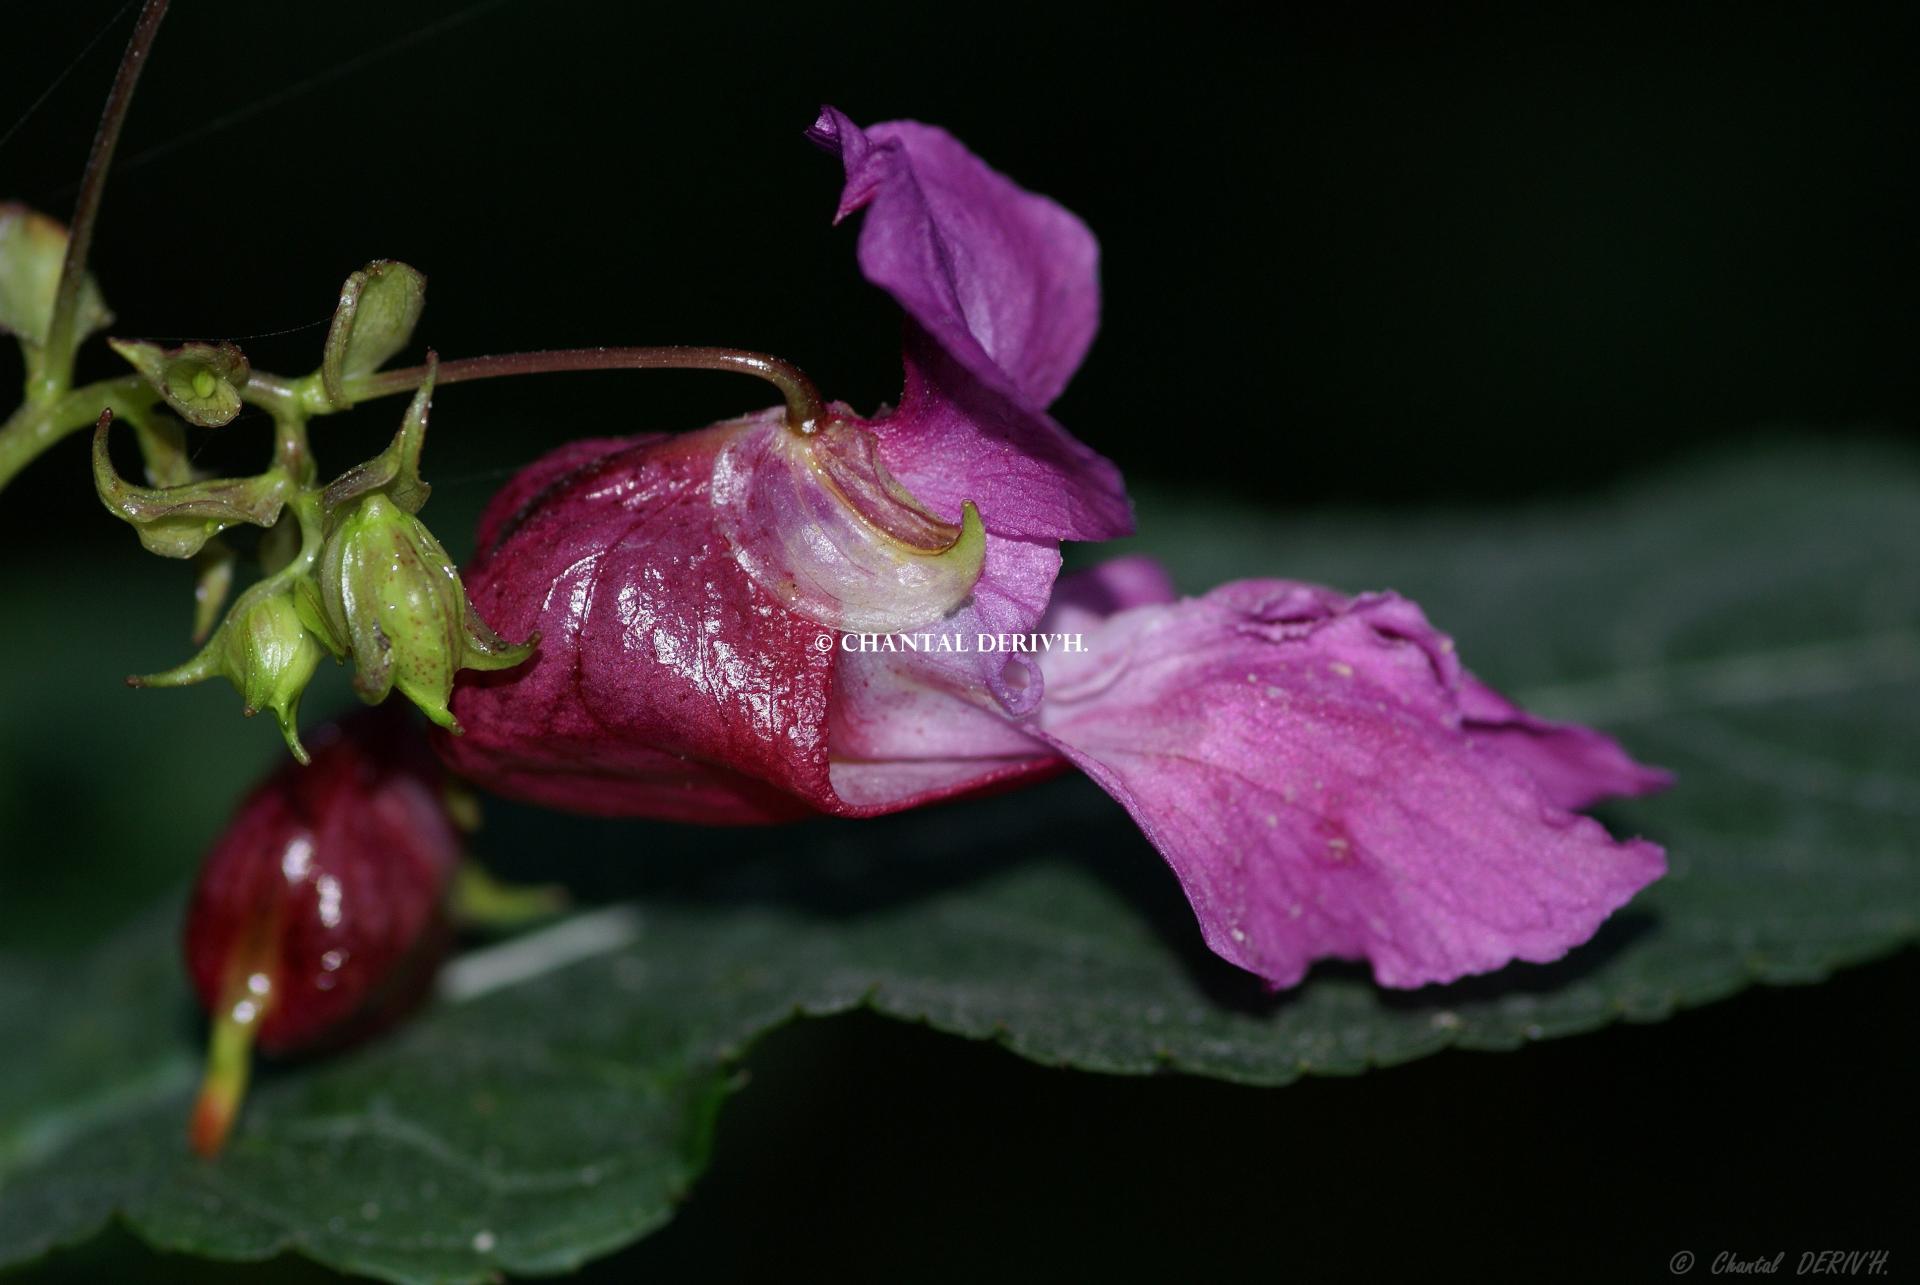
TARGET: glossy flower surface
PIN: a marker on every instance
(324, 896)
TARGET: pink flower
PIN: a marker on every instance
(1320, 772)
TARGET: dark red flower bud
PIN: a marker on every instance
(321, 909)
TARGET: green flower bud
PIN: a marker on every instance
(265, 650)
(389, 596)
(379, 307)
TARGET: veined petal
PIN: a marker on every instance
(903, 732)
(1001, 287)
(1575, 765)
(1003, 278)
(671, 684)
(820, 524)
(524, 490)
(951, 440)
(1300, 759)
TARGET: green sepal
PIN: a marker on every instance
(177, 521)
(313, 614)
(33, 249)
(487, 650)
(201, 382)
(395, 470)
(379, 307)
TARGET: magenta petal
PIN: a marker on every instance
(1002, 291)
(952, 440)
(1301, 761)
(1576, 766)
(1004, 279)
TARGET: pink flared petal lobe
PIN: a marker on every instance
(1576, 766)
(1300, 760)
(1003, 278)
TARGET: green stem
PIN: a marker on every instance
(224, 1085)
(57, 371)
(805, 411)
(39, 424)
(290, 450)
(36, 426)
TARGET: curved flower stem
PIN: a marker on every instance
(73, 271)
(39, 424)
(805, 411)
(36, 426)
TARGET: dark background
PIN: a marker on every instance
(1354, 254)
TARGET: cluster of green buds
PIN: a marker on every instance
(349, 569)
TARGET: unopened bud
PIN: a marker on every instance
(267, 653)
(391, 599)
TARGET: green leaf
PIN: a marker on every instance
(379, 307)
(1755, 627)
(201, 382)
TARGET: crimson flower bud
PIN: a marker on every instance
(321, 909)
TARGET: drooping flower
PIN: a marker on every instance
(321, 907)
(1320, 772)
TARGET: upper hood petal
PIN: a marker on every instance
(1003, 278)
(1001, 288)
